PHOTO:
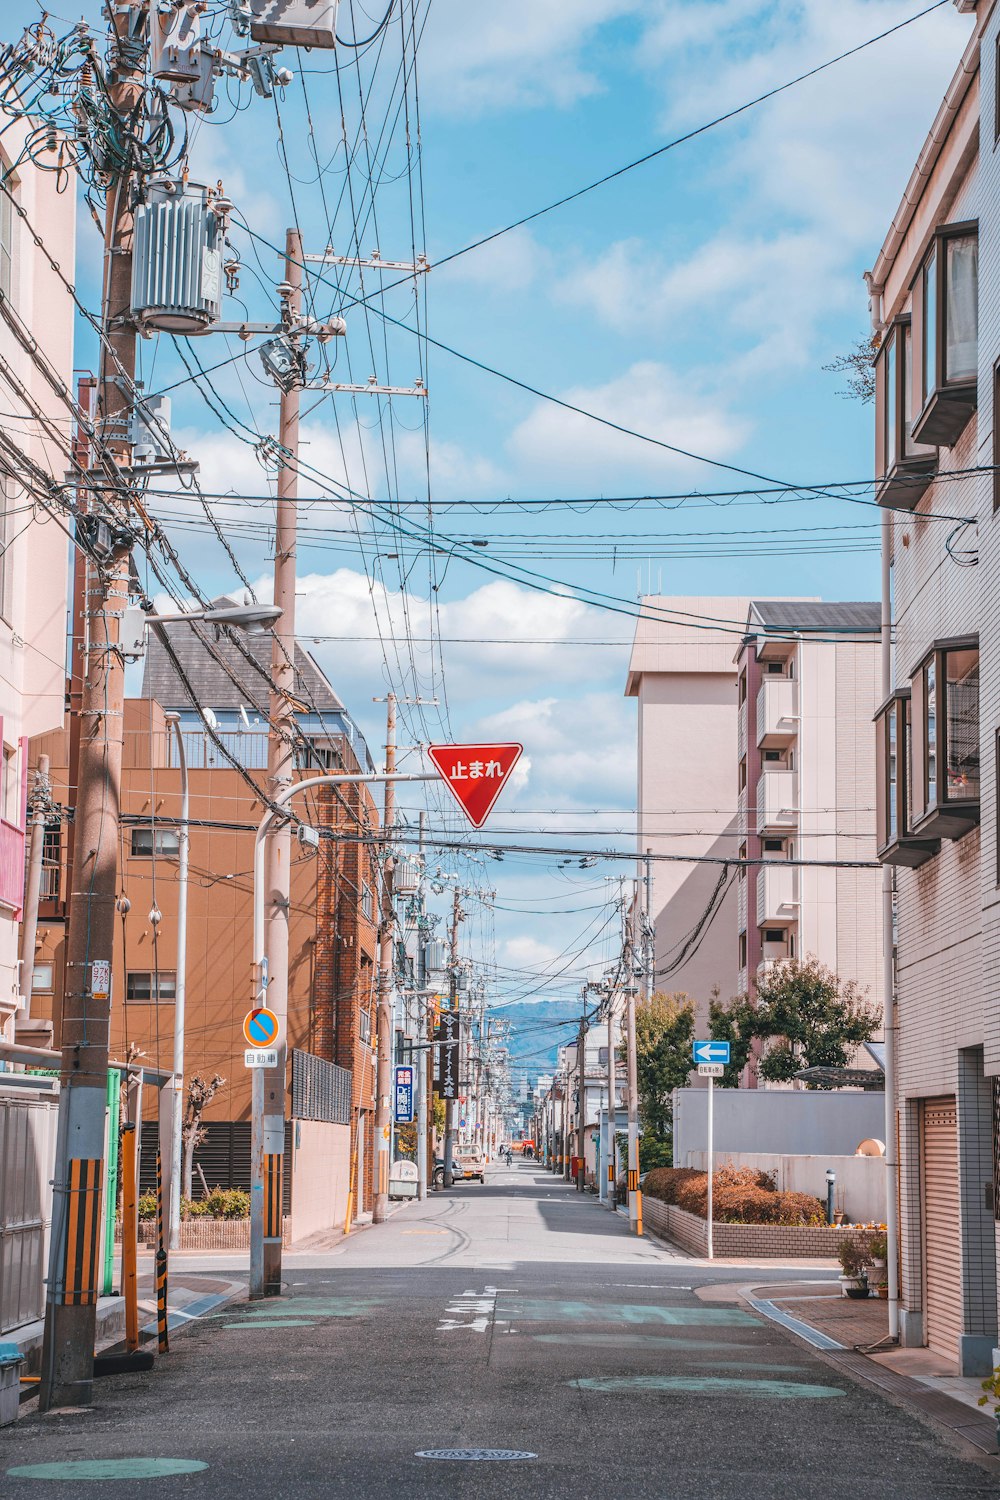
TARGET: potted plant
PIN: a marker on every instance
(853, 1257)
(991, 1392)
(878, 1260)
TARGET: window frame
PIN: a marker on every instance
(902, 479)
(156, 832)
(948, 405)
(940, 813)
(157, 979)
(896, 845)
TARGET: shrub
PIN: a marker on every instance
(147, 1206)
(740, 1195)
(228, 1203)
(854, 1253)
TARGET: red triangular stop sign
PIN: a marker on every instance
(475, 775)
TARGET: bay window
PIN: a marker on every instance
(947, 297)
(944, 788)
(896, 842)
(904, 467)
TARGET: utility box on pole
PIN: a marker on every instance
(295, 23)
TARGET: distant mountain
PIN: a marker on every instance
(537, 1032)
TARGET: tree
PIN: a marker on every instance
(664, 1031)
(733, 1022)
(199, 1096)
(811, 1017)
(859, 367)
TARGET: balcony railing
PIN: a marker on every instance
(741, 731)
(11, 867)
(777, 712)
(741, 904)
(49, 889)
(777, 800)
(742, 819)
(776, 899)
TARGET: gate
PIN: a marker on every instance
(27, 1161)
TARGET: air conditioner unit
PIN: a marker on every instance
(176, 259)
(295, 23)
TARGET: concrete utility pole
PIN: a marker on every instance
(268, 1143)
(174, 1153)
(383, 1015)
(41, 810)
(581, 1068)
(449, 1106)
(634, 1199)
(612, 1090)
(71, 1293)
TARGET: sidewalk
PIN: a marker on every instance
(854, 1334)
(190, 1296)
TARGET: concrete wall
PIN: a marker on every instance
(776, 1121)
(859, 1191)
(321, 1166)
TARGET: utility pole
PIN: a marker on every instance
(649, 935)
(612, 1112)
(424, 1070)
(383, 1014)
(634, 1196)
(71, 1293)
(41, 811)
(268, 1143)
(581, 1068)
(449, 1106)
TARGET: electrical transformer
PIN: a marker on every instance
(406, 876)
(295, 23)
(177, 258)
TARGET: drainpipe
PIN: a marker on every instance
(888, 977)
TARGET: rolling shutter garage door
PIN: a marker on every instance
(942, 1247)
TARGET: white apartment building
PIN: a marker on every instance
(754, 732)
(34, 546)
(935, 302)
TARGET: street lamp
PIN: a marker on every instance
(253, 619)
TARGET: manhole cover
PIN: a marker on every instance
(475, 1455)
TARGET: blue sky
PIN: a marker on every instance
(695, 299)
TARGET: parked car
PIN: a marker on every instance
(473, 1164)
(457, 1171)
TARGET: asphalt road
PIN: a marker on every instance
(515, 1316)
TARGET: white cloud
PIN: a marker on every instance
(508, 264)
(476, 58)
(580, 754)
(554, 444)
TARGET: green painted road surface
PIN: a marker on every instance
(494, 1343)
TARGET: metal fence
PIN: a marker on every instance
(320, 1089)
(27, 1155)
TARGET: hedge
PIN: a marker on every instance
(740, 1195)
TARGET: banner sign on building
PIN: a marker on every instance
(403, 1096)
(447, 1036)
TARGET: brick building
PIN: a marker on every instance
(333, 918)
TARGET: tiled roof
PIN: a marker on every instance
(800, 614)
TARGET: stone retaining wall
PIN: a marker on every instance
(744, 1241)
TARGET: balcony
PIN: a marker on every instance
(774, 954)
(741, 731)
(777, 712)
(777, 800)
(776, 898)
(742, 818)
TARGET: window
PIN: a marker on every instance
(41, 977)
(367, 901)
(904, 466)
(775, 668)
(774, 846)
(772, 756)
(9, 790)
(948, 294)
(147, 989)
(944, 753)
(774, 934)
(51, 861)
(743, 687)
(743, 774)
(154, 840)
(364, 1025)
(896, 844)
(743, 950)
(742, 851)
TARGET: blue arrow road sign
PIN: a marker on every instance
(710, 1052)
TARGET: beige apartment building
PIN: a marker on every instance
(935, 302)
(755, 744)
(34, 537)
